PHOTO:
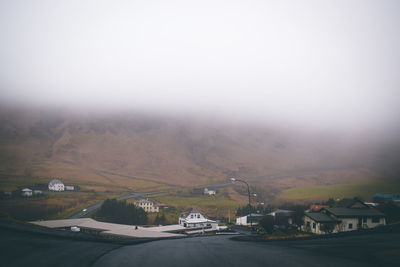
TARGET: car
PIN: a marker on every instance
(84, 210)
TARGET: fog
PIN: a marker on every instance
(313, 63)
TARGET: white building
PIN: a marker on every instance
(209, 192)
(69, 188)
(56, 185)
(37, 192)
(26, 192)
(250, 219)
(194, 219)
(342, 219)
(147, 205)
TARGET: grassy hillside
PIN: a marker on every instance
(365, 190)
(135, 152)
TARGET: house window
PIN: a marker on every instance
(375, 219)
(191, 216)
(308, 224)
(198, 216)
(313, 225)
(350, 226)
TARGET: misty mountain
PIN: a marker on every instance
(180, 151)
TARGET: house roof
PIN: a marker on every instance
(346, 212)
(26, 190)
(186, 213)
(319, 217)
(144, 201)
(284, 212)
(54, 182)
(254, 215)
(349, 203)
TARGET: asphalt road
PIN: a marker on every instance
(367, 250)
(26, 248)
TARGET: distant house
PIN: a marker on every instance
(69, 188)
(56, 185)
(250, 219)
(194, 219)
(147, 205)
(162, 206)
(348, 215)
(209, 192)
(26, 192)
(37, 192)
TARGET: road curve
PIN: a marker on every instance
(221, 251)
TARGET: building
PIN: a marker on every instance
(194, 219)
(283, 217)
(37, 192)
(69, 188)
(26, 192)
(346, 216)
(56, 185)
(147, 205)
(250, 219)
(317, 207)
(209, 192)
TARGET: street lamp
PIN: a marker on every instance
(233, 180)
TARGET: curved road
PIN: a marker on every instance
(25, 247)
(221, 251)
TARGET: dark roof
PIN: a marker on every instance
(346, 212)
(254, 215)
(144, 201)
(319, 217)
(348, 203)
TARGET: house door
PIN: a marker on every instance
(359, 223)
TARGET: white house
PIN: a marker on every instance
(147, 205)
(250, 219)
(56, 185)
(26, 192)
(37, 192)
(342, 219)
(194, 219)
(209, 192)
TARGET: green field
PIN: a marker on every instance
(364, 190)
(215, 206)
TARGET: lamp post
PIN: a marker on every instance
(233, 180)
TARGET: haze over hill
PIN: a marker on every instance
(127, 149)
(136, 94)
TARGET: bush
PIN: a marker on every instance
(121, 212)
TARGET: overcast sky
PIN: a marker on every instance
(335, 62)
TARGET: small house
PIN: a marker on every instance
(26, 192)
(209, 192)
(250, 219)
(346, 216)
(194, 219)
(37, 192)
(56, 185)
(147, 205)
